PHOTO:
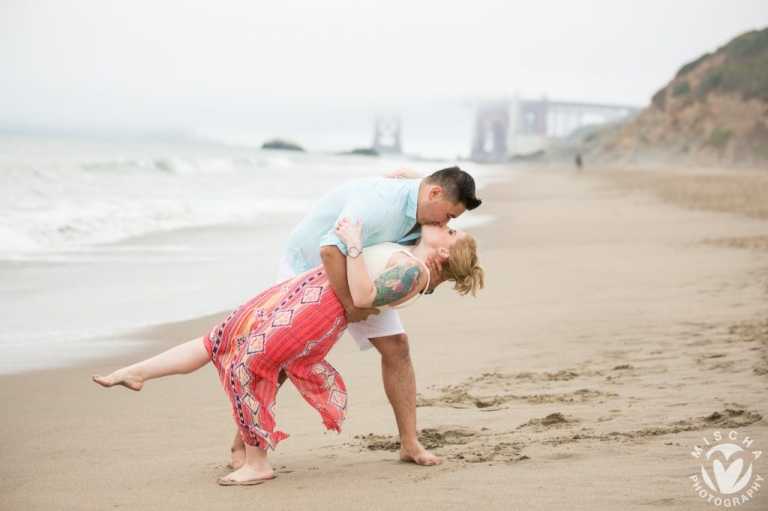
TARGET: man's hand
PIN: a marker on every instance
(355, 315)
(435, 273)
(404, 174)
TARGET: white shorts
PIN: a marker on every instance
(383, 324)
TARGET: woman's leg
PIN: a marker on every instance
(323, 388)
(181, 359)
(237, 458)
(256, 468)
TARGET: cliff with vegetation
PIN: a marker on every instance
(714, 112)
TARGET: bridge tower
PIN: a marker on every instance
(491, 132)
(386, 135)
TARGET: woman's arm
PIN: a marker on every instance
(392, 285)
(398, 282)
(335, 265)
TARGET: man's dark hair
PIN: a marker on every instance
(457, 185)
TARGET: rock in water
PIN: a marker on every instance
(285, 145)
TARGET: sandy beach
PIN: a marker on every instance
(622, 323)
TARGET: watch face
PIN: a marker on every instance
(353, 251)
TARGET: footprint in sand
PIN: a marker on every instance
(553, 420)
(483, 392)
(728, 418)
(461, 444)
(460, 398)
(429, 438)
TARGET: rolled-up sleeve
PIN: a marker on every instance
(371, 208)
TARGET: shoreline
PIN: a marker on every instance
(611, 337)
(128, 287)
(259, 261)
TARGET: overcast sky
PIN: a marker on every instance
(313, 68)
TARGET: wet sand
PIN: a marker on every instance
(619, 327)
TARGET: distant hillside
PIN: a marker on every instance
(714, 112)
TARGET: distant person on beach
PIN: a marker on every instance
(579, 163)
(392, 210)
(290, 327)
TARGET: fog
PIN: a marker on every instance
(319, 72)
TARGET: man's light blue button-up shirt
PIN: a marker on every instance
(386, 206)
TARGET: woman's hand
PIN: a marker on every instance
(349, 233)
(404, 174)
(435, 273)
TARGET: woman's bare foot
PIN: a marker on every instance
(237, 459)
(124, 377)
(417, 454)
(255, 470)
(248, 474)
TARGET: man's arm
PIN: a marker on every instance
(335, 264)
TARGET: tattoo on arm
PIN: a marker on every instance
(395, 283)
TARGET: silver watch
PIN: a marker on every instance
(354, 251)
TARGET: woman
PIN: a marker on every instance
(291, 327)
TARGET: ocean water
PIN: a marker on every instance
(98, 239)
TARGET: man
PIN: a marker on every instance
(391, 210)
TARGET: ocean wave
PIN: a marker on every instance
(64, 194)
(71, 225)
(180, 166)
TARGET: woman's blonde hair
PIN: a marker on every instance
(463, 268)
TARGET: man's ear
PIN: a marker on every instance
(436, 192)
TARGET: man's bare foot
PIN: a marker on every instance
(124, 377)
(237, 459)
(247, 474)
(417, 454)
